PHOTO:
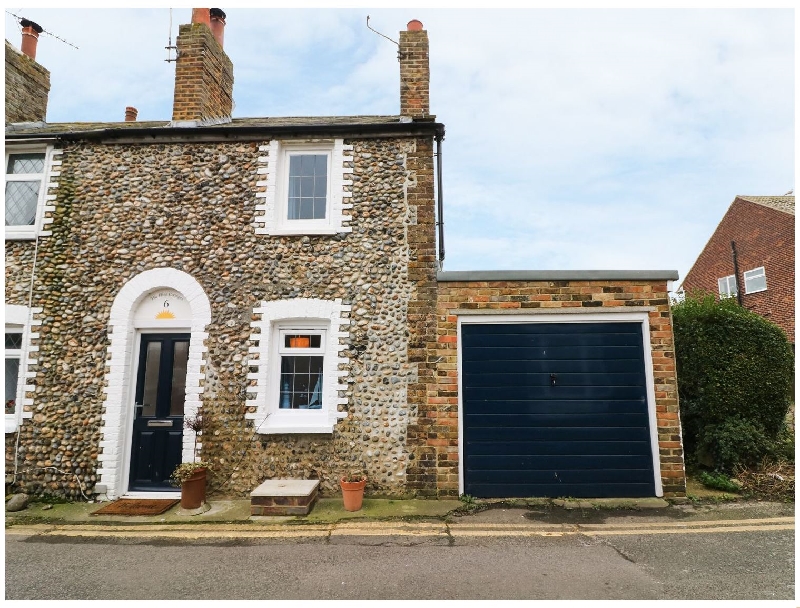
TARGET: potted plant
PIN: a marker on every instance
(191, 476)
(352, 485)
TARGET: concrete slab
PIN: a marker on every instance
(286, 487)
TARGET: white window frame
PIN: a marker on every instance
(272, 208)
(30, 232)
(323, 317)
(750, 275)
(17, 320)
(280, 331)
(729, 289)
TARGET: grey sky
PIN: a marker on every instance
(576, 139)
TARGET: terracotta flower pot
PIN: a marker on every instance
(352, 493)
(193, 490)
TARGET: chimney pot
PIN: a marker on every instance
(415, 25)
(130, 114)
(201, 15)
(218, 24)
(30, 37)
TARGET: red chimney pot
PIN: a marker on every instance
(415, 25)
(218, 24)
(30, 37)
(201, 15)
(130, 114)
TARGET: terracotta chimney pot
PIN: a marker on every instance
(218, 24)
(30, 37)
(414, 25)
(201, 15)
(130, 114)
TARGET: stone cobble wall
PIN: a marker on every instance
(124, 209)
(438, 421)
(19, 265)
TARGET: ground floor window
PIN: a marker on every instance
(301, 368)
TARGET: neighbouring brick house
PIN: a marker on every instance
(750, 256)
(280, 275)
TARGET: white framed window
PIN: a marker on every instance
(727, 286)
(17, 355)
(305, 186)
(755, 280)
(299, 384)
(28, 174)
(300, 367)
(13, 367)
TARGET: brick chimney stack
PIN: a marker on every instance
(415, 74)
(203, 72)
(27, 82)
(130, 114)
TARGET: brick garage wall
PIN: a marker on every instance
(764, 237)
(125, 209)
(27, 87)
(437, 432)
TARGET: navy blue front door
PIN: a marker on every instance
(555, 409)
(158, 422)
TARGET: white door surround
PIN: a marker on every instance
(128, 320)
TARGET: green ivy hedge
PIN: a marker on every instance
(735, 383)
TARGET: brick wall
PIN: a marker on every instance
(764, 237)
(437, 432)
(27, 88)
(414, 74)
(203, 76)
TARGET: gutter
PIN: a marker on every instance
(228, 132)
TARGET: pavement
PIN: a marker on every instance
(231, 517)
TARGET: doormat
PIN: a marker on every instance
(135, 506)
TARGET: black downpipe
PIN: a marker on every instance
(439, 200)
(736, 273)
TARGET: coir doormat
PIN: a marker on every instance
(135, 506)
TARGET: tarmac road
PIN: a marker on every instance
(501, 554)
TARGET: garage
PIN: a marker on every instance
(556, 409)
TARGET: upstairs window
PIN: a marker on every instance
(24, 186)
(305, 188)
(727, 286)
(308, 186)
(755, 280)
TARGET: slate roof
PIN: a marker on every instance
(283, 121)
(779, 203)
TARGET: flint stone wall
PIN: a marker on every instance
(124, 209)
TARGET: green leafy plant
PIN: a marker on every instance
(719, 481)
(735, 382)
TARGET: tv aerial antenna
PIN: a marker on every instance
(51, 34)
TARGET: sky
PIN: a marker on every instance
(576, 139)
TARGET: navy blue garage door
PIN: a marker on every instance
(555, 409)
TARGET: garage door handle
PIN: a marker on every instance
(552, 379)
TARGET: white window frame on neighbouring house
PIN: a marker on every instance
(306, 317)
(755, 280)
(30, 231)
(727, 286)
(274, 210)
(17, 321)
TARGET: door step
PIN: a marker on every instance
(284, 497)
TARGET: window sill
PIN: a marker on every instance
(286, 429)
(11, 423)
(747, 293)
(307, 231)
(20, 235)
